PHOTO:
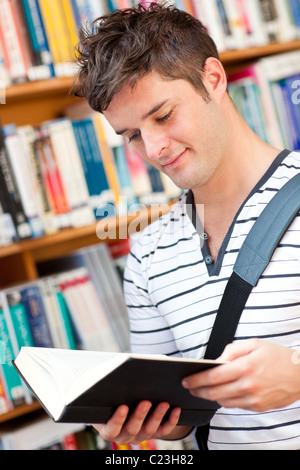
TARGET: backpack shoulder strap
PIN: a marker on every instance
(253, 258)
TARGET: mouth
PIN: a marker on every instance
(175, 161)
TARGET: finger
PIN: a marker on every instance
(167, 427)
(113, 427)
(136, 420)
(156, 418)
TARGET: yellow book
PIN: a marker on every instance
(48, 17)
(54, 19)
(108, 158)
(70, 26)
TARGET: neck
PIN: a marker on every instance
(243, 162)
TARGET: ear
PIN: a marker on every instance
(215, 78)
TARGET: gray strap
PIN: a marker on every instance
(267, 231)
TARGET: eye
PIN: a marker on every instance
(166, 117)
(134, 137)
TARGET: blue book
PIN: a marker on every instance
(93, 166)
(32, 299)
(292, 119)
(155, 179)
(12, 380)
(127, 188)
(295, 8)
(294, 104)
(37, 35)
(85, 157)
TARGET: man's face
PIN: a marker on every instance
(172, 127)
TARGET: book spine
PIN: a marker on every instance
(104, 198)
(214, 25)
(138, 172)
(5, 404)
(294, 5)
(19, 161)
(19, 319)
(236, 24)
(7, 229)
(71, 27)
(36, 315)
(108, 159)
(52, 179)
(12, 378)
(69, 166)
(65, 315)
(127, 188)
(270, 18)
(253, 11)
(15, 53)
(12, 202)
(37, 35)
(48, 15)
(85, 156)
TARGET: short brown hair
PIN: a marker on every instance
(126, 45)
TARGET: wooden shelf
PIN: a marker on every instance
(63, 85)
(18, 260)
(242, 56)
(20, 411)
(39, 88)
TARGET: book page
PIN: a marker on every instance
(68, 365)
(58, 376)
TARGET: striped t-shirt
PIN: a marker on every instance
(173, 291)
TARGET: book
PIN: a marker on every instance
(35, 309)
(10, 196)
(87, 386)
(20, 163)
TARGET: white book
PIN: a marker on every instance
(236, 25)
(259, 33)
(287, 30)
(20, 162)
(213, 23)
(28, 138)
(68, 160)
(17, 65)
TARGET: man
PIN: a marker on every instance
(156, 76)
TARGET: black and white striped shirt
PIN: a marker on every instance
(173, 292)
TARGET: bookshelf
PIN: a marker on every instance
(38, 101)
(18, 260)
(35, 102)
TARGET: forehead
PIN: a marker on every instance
(148, 92)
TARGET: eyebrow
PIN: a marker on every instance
(145, 116)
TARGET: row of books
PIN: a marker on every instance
(267, 95)
(69, 173)
(81, 306)
(240, 24)
(72, 171)
(37, 37)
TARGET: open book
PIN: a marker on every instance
(86, 387)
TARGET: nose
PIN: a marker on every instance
(156, 144)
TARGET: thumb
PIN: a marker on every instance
(238, 349)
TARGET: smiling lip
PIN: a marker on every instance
(174, 162)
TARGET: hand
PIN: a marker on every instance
(259, 376)
(139, 427)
